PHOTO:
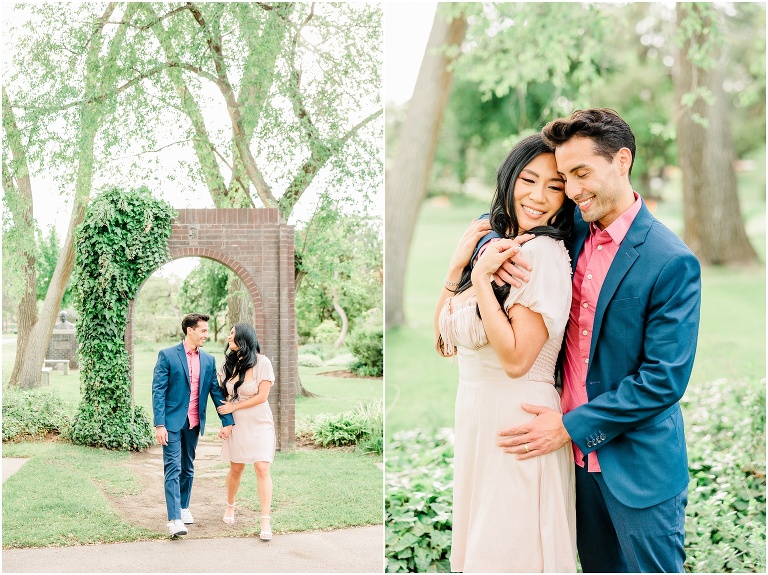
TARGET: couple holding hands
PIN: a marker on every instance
(572, 279)
(183, 378)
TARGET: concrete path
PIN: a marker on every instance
(11, 465)
(357, 550)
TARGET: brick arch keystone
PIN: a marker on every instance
(258, 246)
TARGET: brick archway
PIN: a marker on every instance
(258, 247)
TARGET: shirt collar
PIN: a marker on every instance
(620, 226)
(188, 349)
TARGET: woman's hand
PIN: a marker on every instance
(494, 256)
(467, 243)
(226, 408)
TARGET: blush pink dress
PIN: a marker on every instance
(511, 515)
(253, 435)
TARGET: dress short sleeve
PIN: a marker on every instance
(548, 291)
(265, 371)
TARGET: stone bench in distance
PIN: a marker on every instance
(46, 379)
(64, 363)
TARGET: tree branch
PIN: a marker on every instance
(233, 108)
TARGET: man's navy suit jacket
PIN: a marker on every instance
(171, 388)
(641, 356)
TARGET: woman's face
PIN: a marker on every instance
(231, 340)
(539, 192)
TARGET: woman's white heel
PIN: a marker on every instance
(230, 520)
(265, 535)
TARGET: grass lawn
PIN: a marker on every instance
(421, 386)
(60, 496)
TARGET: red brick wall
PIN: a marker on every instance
(258, 248)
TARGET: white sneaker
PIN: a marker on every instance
(186, 517)
(176, 528)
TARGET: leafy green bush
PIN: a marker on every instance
(123, 239)
(366, 342)
(307, 360)
(725, 524)
(327, 332)
(341, 359)
(33, 413)
(419, 498)
(362, 426)
(725, 516)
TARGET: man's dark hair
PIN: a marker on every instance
(191, 320)
(608, 132)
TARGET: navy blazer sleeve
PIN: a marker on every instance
(218, 397)
(160, 381)
(669, 330)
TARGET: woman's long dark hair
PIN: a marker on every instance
(238, 362)
(503, 216)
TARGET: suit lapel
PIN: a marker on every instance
(579, 235)
(624, 260)
(183, 359)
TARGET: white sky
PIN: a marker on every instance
(406, 31)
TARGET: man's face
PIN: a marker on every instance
(598, 187)
(198, 334)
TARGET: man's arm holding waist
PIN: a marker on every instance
(669, 345)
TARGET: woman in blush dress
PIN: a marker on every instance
(510, 515)
(246, 379)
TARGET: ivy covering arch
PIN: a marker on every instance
(123, 239)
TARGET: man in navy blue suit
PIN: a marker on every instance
(629, 350)
(183, 379)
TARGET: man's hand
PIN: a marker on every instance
(540, 436)
(161, 435)
(224, 432)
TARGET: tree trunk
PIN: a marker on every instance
(239, 306)
(406, 182)
(714, 227)
(21, 208)
(340, 311)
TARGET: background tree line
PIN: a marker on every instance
(688, 78)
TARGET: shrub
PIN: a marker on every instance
(419, 498)
(341, 360)
(362, 426)
(366, 342)
(327, 332)
(307, 360)
(725, 523)
(726, 512)
(33, 413)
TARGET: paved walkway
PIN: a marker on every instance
(358, 550)
(11, 465)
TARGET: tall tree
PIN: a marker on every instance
(89, 76)
(19, 257)
(406, 181)
(714, 227)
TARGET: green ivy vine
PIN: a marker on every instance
(123, 239)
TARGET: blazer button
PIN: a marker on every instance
(589, 444)
(602, 436)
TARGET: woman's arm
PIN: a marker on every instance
(260, 397)
(459, 260)
(518, 338)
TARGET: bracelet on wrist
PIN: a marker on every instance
(450, 284)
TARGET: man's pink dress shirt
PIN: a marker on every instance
(193, 363)
(600, 247)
